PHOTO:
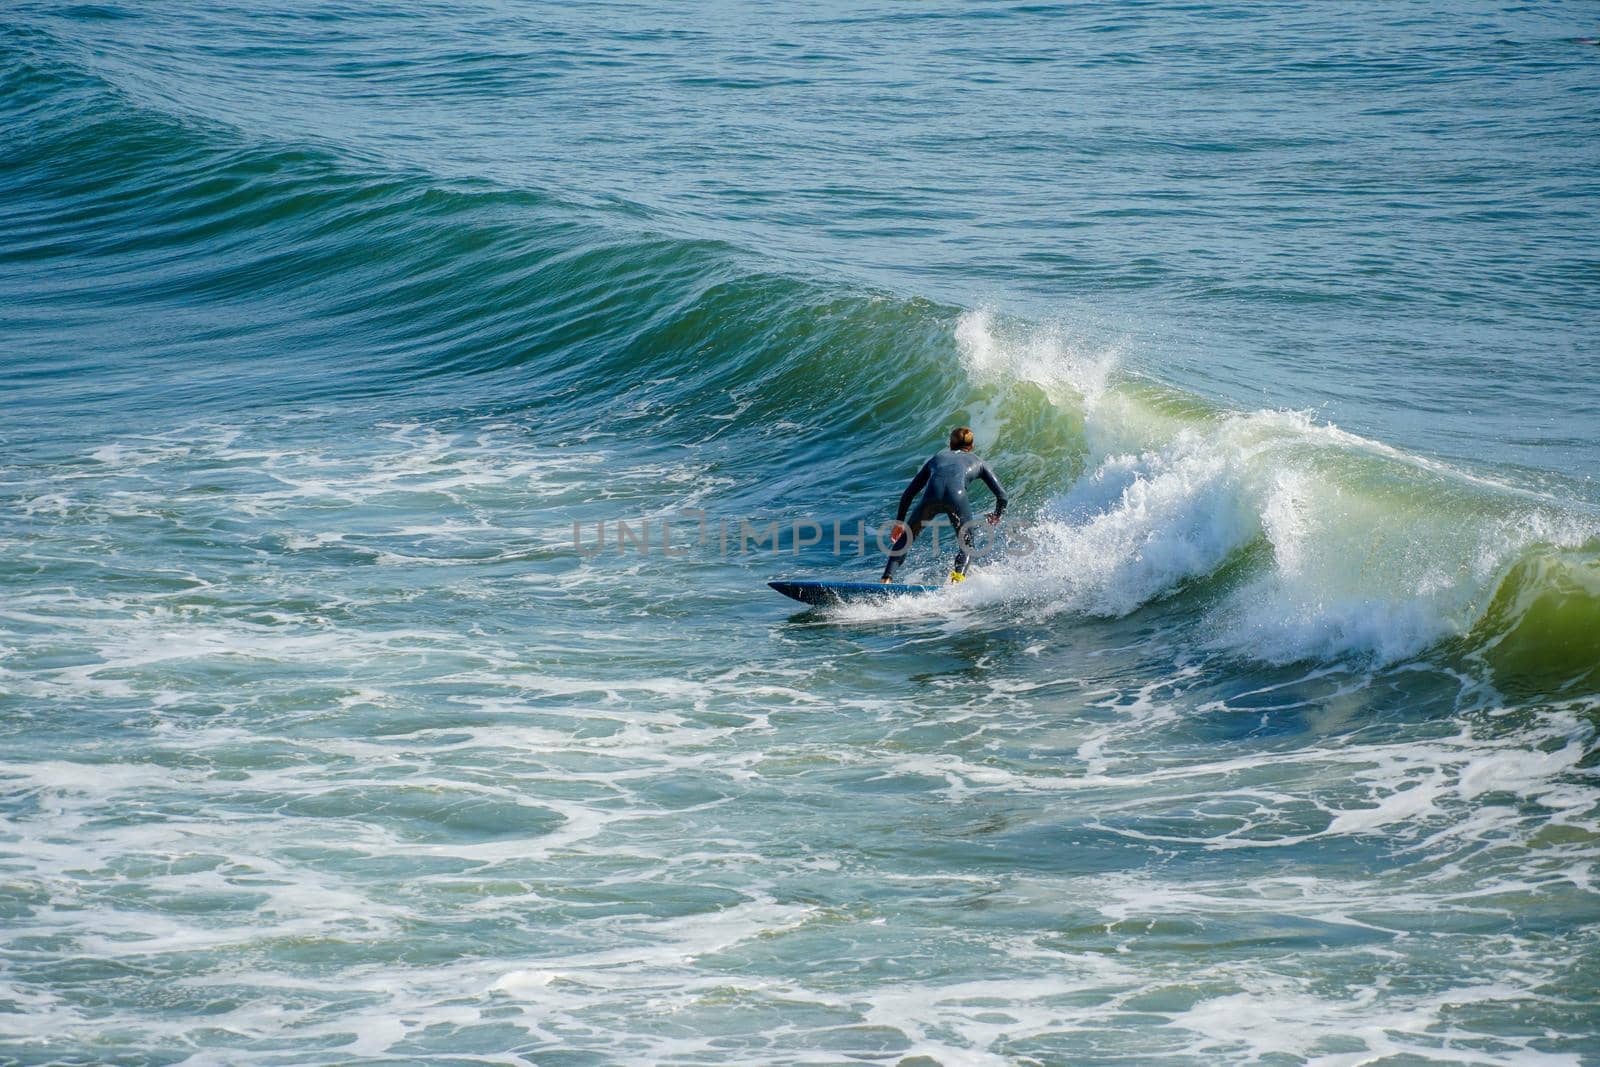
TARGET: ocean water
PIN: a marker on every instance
(1263, 732)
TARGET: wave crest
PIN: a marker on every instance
(1298, 539)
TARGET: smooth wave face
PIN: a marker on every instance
(340, 725)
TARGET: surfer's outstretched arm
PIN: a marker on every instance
(912, 490)
(902, 533)
(994, 487)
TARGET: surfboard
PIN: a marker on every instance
(820, 593)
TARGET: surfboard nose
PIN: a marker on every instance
(788, 589)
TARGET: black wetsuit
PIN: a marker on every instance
(946, 477)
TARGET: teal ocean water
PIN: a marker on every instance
(1263, 732)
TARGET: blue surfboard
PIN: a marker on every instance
(821, 593)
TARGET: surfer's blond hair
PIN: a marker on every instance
(961, 438)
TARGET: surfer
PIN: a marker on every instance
(946, 476)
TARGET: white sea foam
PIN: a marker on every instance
(1369, 551)
(1281, 1017)
(302, 800)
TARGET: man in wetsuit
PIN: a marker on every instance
(946, 477)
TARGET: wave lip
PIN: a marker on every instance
(1302, 541)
